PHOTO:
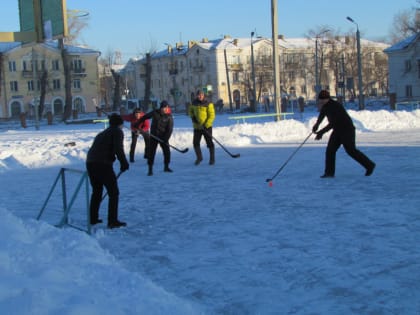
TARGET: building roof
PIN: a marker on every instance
(402, 45)
(240, 43)
(7, 46)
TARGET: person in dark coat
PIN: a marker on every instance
(160, 132)
(343, 133)
(142, 129)
(106, 147)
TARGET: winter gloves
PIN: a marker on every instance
(319, 134)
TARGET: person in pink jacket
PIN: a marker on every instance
(142, 129)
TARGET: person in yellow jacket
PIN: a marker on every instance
(202, 114)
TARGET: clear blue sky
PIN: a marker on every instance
(134, 27)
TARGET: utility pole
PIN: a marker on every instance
(275, 39)
(36, 100)
(228, 81)
(359, 65)
(254, 93)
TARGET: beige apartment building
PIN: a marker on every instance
(228, 69)
(23, 67)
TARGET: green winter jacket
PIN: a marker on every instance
(202, 114)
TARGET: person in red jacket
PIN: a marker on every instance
(142, 129)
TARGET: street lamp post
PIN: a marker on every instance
(359, 65)
(317, 76)
(254, 94)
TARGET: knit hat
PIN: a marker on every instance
(115, 120)
(323, 95)
(164, 104)
(136, 110)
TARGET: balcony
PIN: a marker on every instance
(79, 72)
(236, 67)
(27, 73)
(199, 68)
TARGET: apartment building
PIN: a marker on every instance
(26, 69)
(404, 69)
(228, 69)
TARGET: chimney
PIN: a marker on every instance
(191, 43)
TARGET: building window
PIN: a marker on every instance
(418, 69)
(76, 84)
(235, 76)
(25, 66)
(56, 84)
(55, 65)
(408, 65)
(77, 65)
(408, 91)
(12, 66)
(30, 85)
(14, 86)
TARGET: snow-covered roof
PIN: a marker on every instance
(402, 44)
(245, 42)
(7, 46)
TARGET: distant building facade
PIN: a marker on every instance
(223, 69)
(404, 69)
(23, 67)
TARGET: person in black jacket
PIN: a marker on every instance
(343, 133)
(107, 145)
(160, 132)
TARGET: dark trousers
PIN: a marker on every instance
(207, 134)
(153, 143)
(348, 140)
(100, 176)
(134, 137)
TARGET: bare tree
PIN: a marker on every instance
(75, 26)
(77, 21)
(406, 23)
(67, 81)
(117, 92)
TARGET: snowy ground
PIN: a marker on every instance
(218, 239)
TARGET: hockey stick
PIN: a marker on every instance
(268, 180)
(161, 141)
(221, 145)
(152, 135)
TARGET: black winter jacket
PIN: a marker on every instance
(338, 118)
(162, 124)
(107, 145)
